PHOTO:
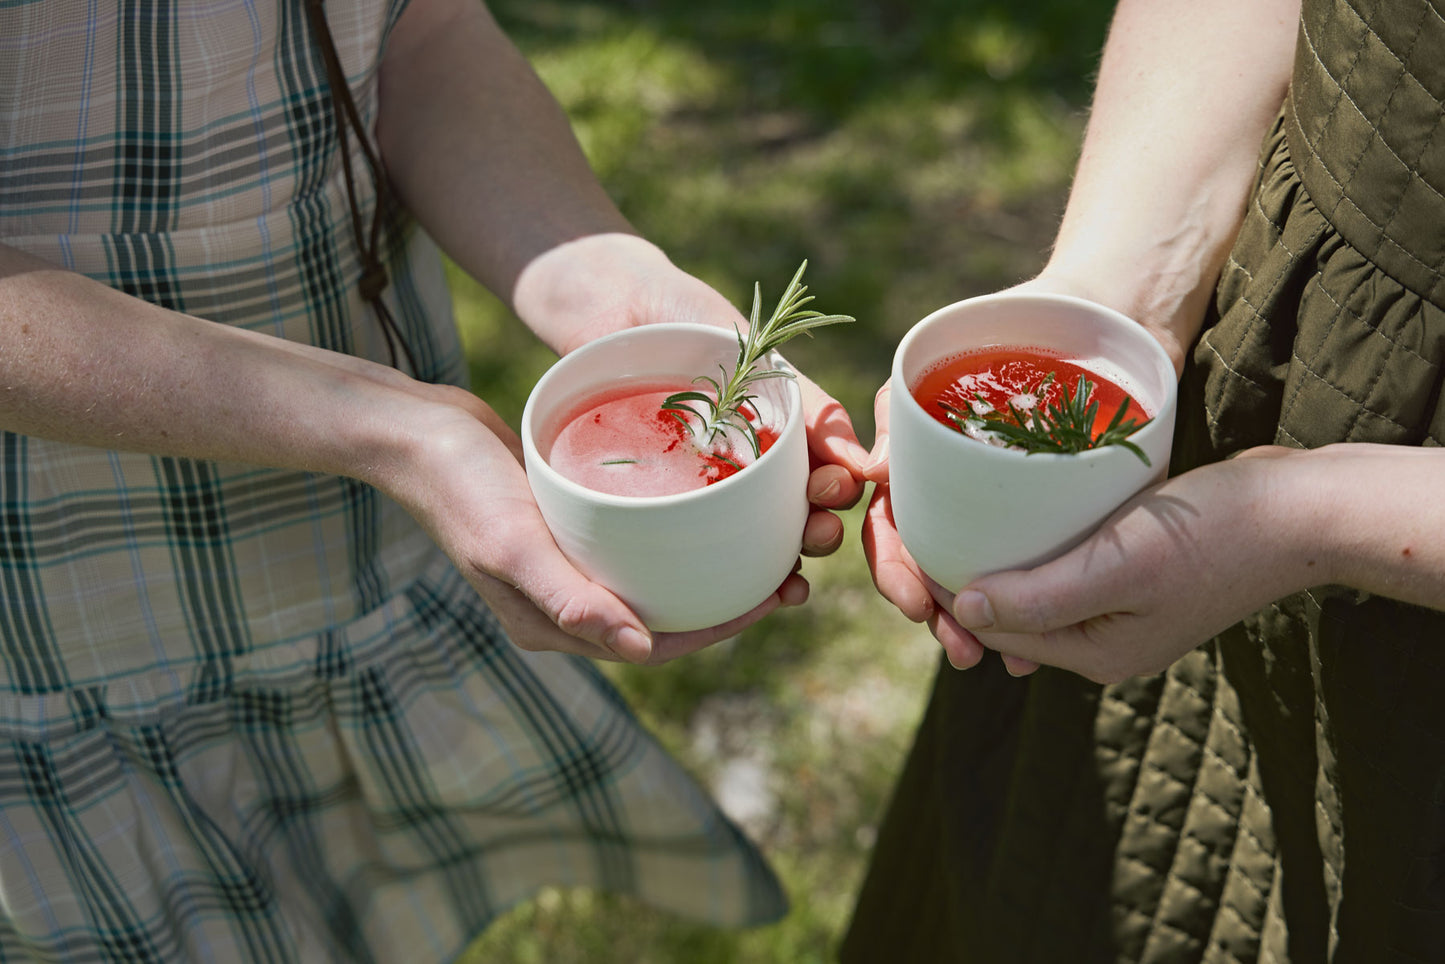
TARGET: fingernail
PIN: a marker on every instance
(632, 644)
(880, 455)
(829, 492)
(972, 610)
(1017, 672)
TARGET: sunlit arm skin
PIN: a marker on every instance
(82, 363)
(1185, 93)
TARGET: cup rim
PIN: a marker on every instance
(944, 434)
(533, 455)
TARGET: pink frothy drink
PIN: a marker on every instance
(622, 442)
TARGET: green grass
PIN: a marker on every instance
(915, 153)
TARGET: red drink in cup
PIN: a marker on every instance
(622, 442)
(962, 389)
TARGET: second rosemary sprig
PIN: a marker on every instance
(1062, 426)
(725, 408)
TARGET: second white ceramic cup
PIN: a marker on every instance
(964, 508)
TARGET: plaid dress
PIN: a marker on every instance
(249, 714)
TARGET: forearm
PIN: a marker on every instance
(1362, 515)
(1185, 93)
(1374, 516)
(82, 363)
(478, 148)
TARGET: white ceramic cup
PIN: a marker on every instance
(694, 559)
(964, 508)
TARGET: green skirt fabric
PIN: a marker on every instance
(1279, 793)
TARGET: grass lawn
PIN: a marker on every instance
(915, 153)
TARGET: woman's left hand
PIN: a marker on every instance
(1186, 559)
(1174, 566)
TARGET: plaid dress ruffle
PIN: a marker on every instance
(250, 714)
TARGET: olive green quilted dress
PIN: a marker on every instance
(1278, 794)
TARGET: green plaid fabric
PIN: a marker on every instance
(248, 714)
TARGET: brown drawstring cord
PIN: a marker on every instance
(373, 273)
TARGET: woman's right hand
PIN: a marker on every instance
(458, 471)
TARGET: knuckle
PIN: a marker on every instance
(1032, 614)
(572, 615)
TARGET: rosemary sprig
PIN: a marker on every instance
(1060, 427)
(722, 410)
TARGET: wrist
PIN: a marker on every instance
(1154, 258)
(393, 429)
(1305, 513)
(1170, 311)
(1375, 519)
(571, 293)
(595, 285)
